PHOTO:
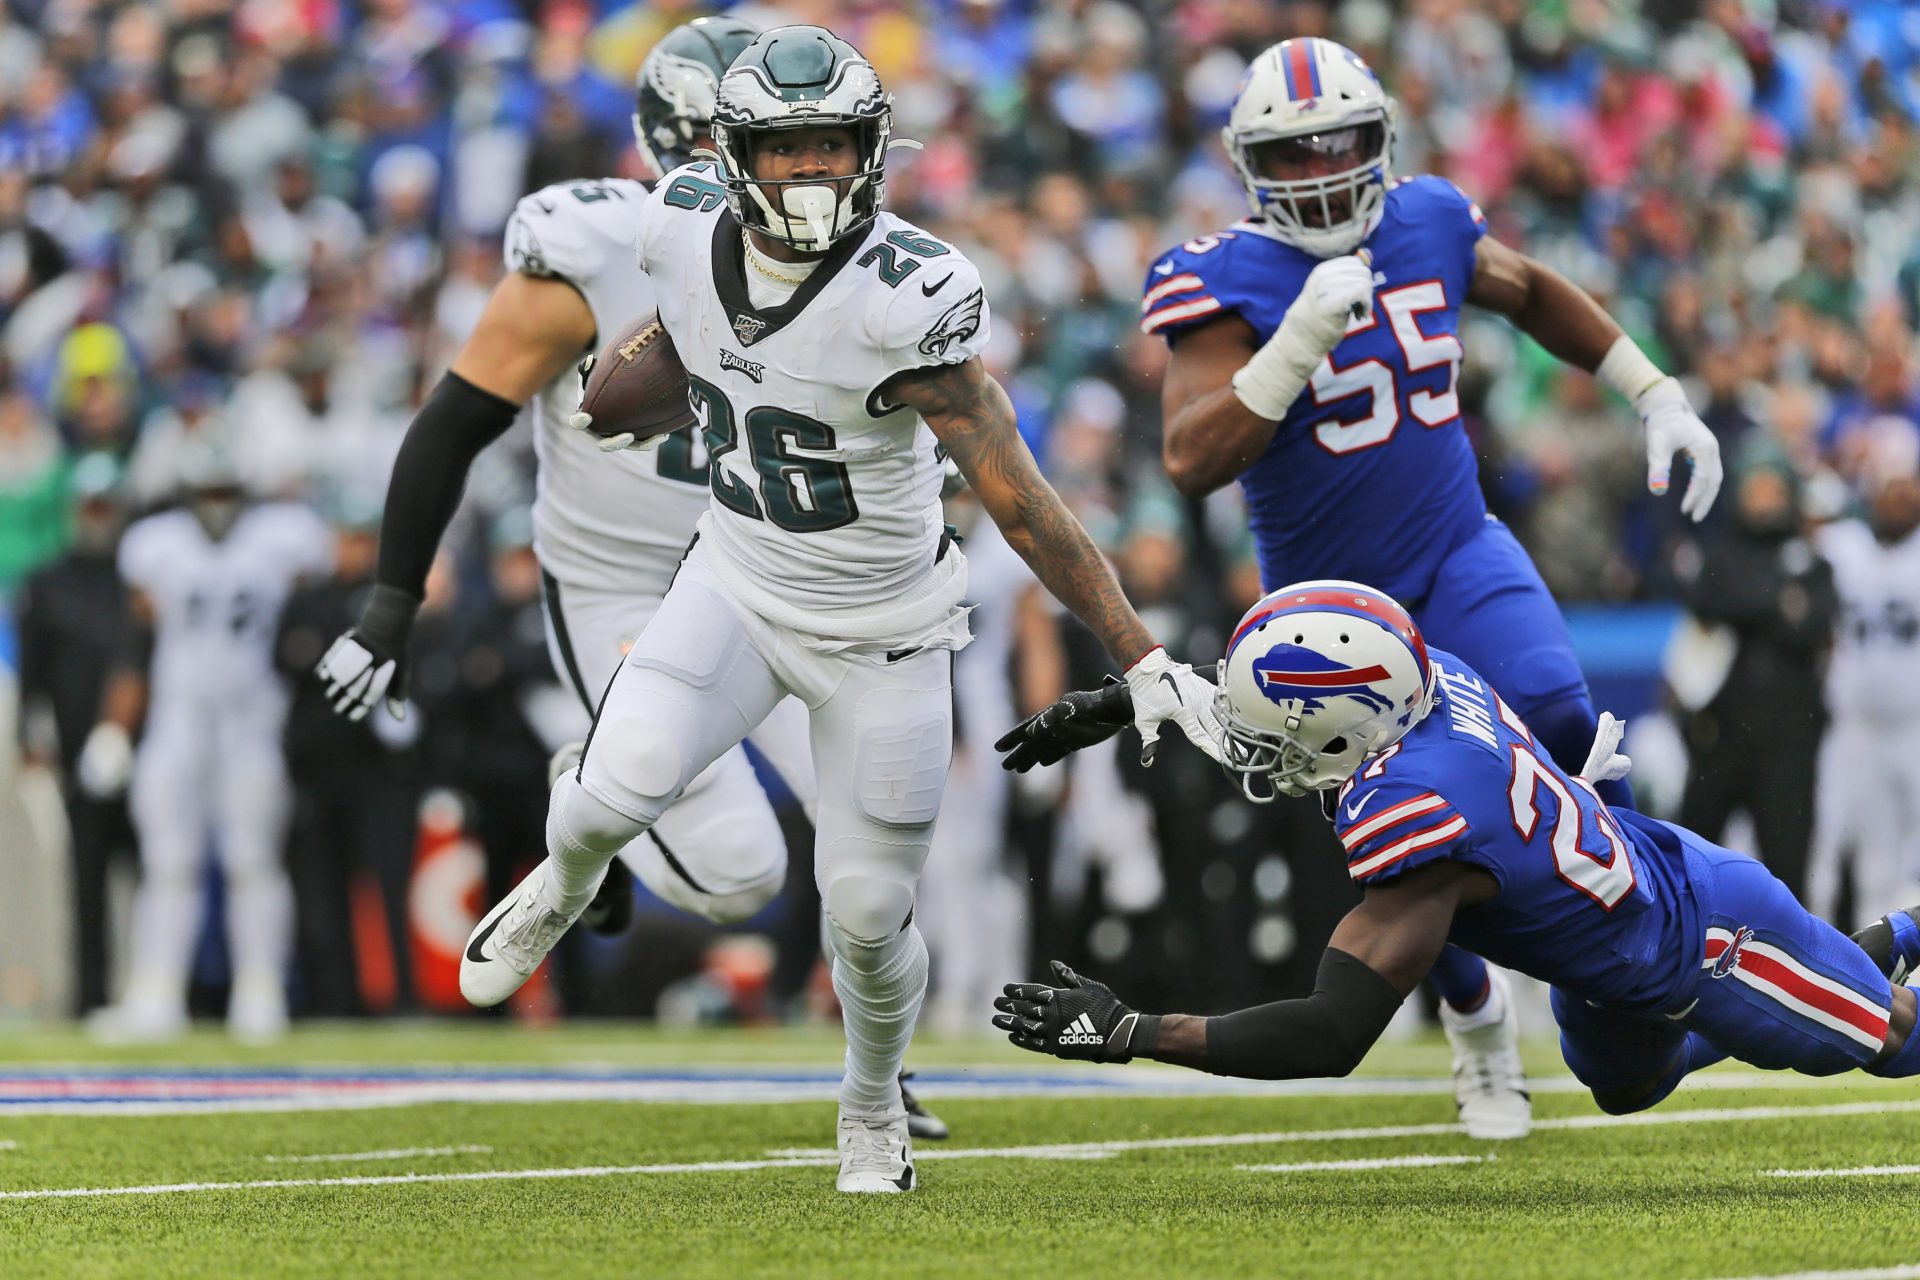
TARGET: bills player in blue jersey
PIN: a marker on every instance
(1316, 360)
(1666, 953)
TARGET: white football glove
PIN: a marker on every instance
(1166, 690)
(1604, 761)
(355, 678)
(105, 765)
(580, 420)
(1673, 427)
(1337, 292)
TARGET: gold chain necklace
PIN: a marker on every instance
(765, 267)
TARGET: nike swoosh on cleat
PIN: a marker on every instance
(473, 948)
(905, 1180)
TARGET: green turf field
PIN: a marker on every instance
(1093, 1186)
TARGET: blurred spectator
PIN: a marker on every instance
(357, 786)
(73, 633)
(33, 490)
(1762, 581)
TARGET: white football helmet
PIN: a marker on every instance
(1318, 677)
(1305, 99)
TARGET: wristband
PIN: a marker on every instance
(1145, 1036)
(1627, 370)
(1272, 379)
(387, 618)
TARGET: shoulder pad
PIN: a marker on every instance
(1180, 290)
(1389, 825)
(570, 230)
(935, 309)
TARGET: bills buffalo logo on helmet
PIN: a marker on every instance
(1289, 673)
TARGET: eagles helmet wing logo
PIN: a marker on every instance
(958, 323)
(747, 328)
(523, 250)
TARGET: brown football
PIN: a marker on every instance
(637, 384)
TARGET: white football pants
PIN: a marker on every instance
(1867, 810)
(719, 851)
(210, 776)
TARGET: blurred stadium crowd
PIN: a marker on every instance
(278, 219)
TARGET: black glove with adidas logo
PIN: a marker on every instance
(1079, 1019)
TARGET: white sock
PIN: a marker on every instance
(260, 920)
(166, 924)
(880, 990)
(583, 836)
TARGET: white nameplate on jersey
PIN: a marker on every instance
(1469, 714)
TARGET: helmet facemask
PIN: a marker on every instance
(809, 213)
(1326, 215)
(1269, 762)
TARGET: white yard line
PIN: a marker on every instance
(397, 1153)
(1864, 1171)
(1390, 1162)
(810, 1158)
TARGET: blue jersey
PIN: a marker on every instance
(1602, 903)
(1370, 476)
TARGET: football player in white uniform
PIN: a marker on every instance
(609, 529)
(210, 578)
(1868, 808)
(832, 352)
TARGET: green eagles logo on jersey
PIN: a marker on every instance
(958, 323)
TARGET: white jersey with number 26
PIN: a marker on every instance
(826, 509)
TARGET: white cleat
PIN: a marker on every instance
(510, 942)
(257, 1008)
(876, 1154)
(1489, 1083)
(135, 1022)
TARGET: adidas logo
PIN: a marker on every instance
(1080, 1031)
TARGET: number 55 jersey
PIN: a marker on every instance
(825, 514)
(1370, 476)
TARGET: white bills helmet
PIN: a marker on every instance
(1311, 133)
(1318, 677)
(793, 78)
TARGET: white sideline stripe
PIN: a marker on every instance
(397, 1153)
(1864, 1171)
(1907, 1271)
(1148, 1082)
(1391, 1162)
(1068, 1151)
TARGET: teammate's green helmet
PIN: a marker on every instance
(794, 78)
(675, 90)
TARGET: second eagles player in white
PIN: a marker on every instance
(831, 351)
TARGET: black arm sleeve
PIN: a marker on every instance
(453, 426)
(1327, 1034)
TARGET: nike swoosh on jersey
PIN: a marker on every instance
(938, 287)
(1353, 810)
(473, 948)
(1163, 268)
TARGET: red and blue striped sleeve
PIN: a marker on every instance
(1392, 828)
(1180, 290)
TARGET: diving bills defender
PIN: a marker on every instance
(1666, 953)
(831, 349)
(1316, 360)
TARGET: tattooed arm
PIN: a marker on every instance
(973, 418)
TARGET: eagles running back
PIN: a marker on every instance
(826, 501)
(601, 521)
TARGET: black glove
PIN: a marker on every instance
(1079, 1019)
(1080, 719)
(369, 661)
